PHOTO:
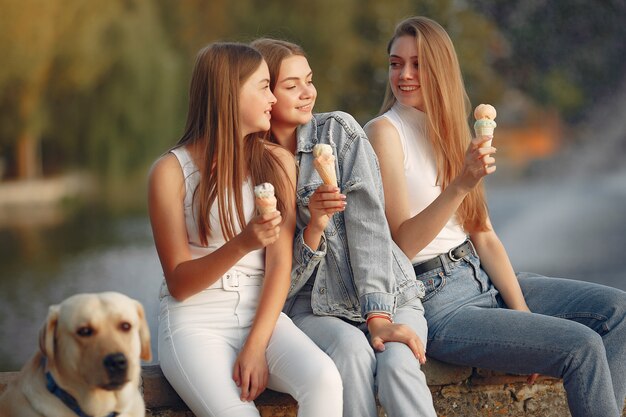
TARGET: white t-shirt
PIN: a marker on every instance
(420, 171)
(253, 263)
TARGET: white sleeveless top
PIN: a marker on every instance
(420, 170)
(253, 263)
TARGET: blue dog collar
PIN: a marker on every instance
(66, 398)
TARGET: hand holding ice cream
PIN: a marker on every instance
(324, 163)
(264, 198)
(485, 115)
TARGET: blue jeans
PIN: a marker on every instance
(576, 331)
(393, 374)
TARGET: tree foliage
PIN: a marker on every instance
(102, 85)
(565, 54)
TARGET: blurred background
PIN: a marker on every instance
(91, 93)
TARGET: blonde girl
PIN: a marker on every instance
(479, 311)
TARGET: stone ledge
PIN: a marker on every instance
(158, 394)
(457, 392)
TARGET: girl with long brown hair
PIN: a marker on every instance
(479, 311)
(352, 289)
(222, 337)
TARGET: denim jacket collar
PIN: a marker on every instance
(306, 137)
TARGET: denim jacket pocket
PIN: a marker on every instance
(352, 185)
(433, 283)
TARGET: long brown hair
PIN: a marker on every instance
(225, 160)
(447, 109)
(275, 51)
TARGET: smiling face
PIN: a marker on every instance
(404, 74)
(295, 94)
(256, 101)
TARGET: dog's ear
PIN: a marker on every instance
(47, 333)
(144, 333)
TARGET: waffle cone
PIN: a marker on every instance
(326, 171)
(484, 131)
(265, 205)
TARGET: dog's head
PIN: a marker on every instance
(96, 340)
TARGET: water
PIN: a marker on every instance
(92, 252)
(569, 227)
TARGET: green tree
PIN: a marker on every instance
(565, 54)
(92, 79)
(27, 38)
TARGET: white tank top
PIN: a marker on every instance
(420, 171)
(252, 263)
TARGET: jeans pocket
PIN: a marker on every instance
(479, 275)
(433, 282)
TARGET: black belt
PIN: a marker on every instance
(454, 255)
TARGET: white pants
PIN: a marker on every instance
(199, 340)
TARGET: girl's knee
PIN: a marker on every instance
(327, 377)
(352, 352)
(396, 361)
(616, 300)
(588, 346)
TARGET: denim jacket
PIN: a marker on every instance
(357, 268)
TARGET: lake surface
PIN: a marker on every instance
(568, 227)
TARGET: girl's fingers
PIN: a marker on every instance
(245, 387)
(488, 160)
(476, 142)
(237, 374)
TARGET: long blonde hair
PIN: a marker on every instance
(225, 161)
(447, 108)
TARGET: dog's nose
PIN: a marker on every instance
(116, 364)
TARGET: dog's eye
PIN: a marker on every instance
(84, 331)
(125, 326)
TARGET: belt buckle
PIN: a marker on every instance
(230, 282)
(452, 257)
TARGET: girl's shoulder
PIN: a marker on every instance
(165, 165)
(380, 129)
(335, 116)
(165, 178)
(339, 125)
(378, 122)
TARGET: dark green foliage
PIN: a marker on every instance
(102, 85)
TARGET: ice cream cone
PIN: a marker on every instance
(324, 163)
(485, 123)
(264, 198)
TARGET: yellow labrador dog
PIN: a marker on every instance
(88, 363)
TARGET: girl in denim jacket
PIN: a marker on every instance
(353, 291)
(222, 336)
(479, 312)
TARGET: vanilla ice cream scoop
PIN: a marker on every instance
(485, 123)
(264, 198)
(485, 111)
(322, 149)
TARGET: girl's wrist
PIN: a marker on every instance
(318, 225)
(459, 188)
(375, 316)
(239, 245)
